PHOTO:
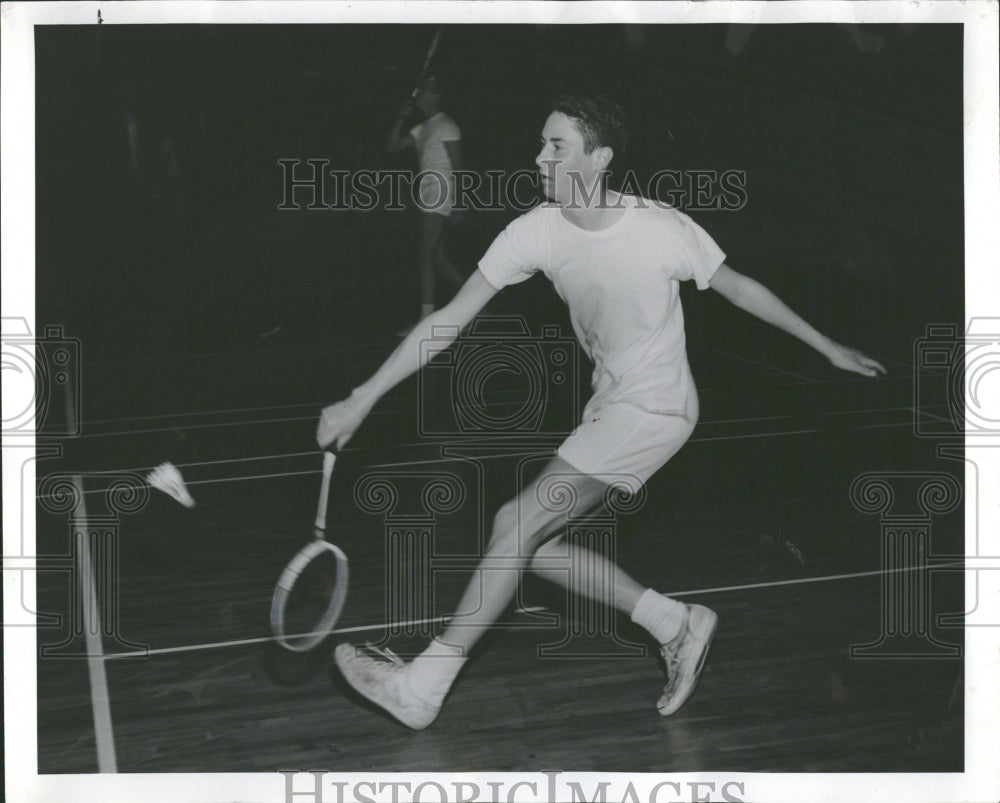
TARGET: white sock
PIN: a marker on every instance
(435, 669)
(660, 615)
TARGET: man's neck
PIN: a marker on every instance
(603, 211)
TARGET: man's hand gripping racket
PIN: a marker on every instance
(338, 422)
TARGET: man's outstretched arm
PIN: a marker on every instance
(752, 296)
(339, 421)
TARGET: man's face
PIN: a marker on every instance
(427, 95)
(569, 174)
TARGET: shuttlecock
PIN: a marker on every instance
(167, 477)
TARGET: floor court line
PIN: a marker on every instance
(398, 398)
(417, 444)
(434, 460)
(888, 426)
(760, 364)
(756, 435)
(384, 465)
(216, 425)
(540, 448)
(319, 405)
(182, 426)
(904, 409)
(230, 411)
(848, 378)
(266, 639)
(255, 458)
(344, 348)
(276, 475)
(534, 609)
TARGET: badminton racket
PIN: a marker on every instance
(315, 579)
(427, 62)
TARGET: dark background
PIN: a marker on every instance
(853, 165)
(192, 293)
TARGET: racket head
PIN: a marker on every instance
(330, 563)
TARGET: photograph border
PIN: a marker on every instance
(982, 242)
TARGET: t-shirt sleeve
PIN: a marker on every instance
(415, 131)
(516, 254)
(449, 131)
(698, 255)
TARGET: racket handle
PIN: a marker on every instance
(329, 458)
(427, 61)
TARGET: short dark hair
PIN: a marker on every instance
(601, 121)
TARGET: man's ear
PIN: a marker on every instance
(602, 157)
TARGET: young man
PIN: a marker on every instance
(437, 141)
(617, 261)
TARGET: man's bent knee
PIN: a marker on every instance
(521, 528)
(528, 521)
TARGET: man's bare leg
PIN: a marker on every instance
(414, 693)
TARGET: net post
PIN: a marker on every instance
(104, 736)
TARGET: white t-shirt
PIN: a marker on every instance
(430, 136)
(622, 287)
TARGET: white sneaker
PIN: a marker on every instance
(685, 657)
(383, 679)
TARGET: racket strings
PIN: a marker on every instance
(308, 570)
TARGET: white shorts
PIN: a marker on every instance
(622, 438)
